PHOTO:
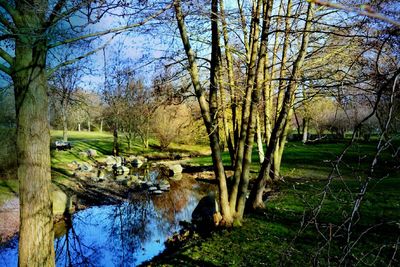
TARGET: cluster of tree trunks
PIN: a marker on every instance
(259, 89)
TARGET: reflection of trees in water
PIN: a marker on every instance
(128, 229)
(122, 234)
(72, 251)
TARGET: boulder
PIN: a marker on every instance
(119, 161)
(91, 153)
(152, 188)
(136, 163)
(176, 177)
(85, 167)
(157, 192)
(61, 202)
(164, 185)
(205, 212)
(110, 161)
(120, 170)
(175, 169)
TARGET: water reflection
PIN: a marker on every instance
(120, 235)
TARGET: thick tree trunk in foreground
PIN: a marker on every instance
(33, 141)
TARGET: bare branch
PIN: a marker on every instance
(9, 9)
(114, 30)
(5, 69)
(7, 57)
(72, 61)
(362, 11)
(6, 23)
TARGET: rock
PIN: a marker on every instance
(152, 188)
(204, 213)
(119, 161)
(164, 188)
(175, 169)
(149, 184)
(110, 161)
(91, 153)
(101, 174)
(157, 192)
(176, 177)
(82, 154)
(164, 185)
(85, 167)
(120, 170)
(61, 202)
(121, 178)
(136, 163)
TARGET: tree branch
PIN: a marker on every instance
(5, 69)
(7, 57)
(115, 30)
(366, 11)
(56, 12)
(72, 61)
(6, 23)
(10, 10)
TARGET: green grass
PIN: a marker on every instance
(273, 237)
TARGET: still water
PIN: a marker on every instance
(126, 234)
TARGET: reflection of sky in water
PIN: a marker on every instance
(119, 235)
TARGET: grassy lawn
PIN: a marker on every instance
(278, 236)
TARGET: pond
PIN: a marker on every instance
(124, 234)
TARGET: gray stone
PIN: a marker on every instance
(91, 153)
(152, 188)
(157, 192)
(175, 169)
(110, 161)
(85, 167)
(176, 177)
(136, 163)
(61, 202)
(164, 188)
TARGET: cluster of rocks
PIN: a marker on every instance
(118, 170)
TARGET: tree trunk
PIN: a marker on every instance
(101, 125)
(88, 125)
(259, 140)
(262, 54)
(246, 105)
(205, 111)
(306, 122)
(79, 127)
(65, 122)
(36, 232)
(281, 124)
(115, 143)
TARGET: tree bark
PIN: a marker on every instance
(251, 76)
(115, 143)
(65, 122)
(280, 127)
(205, 111)
(33, 140)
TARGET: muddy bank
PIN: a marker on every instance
(9, 219)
